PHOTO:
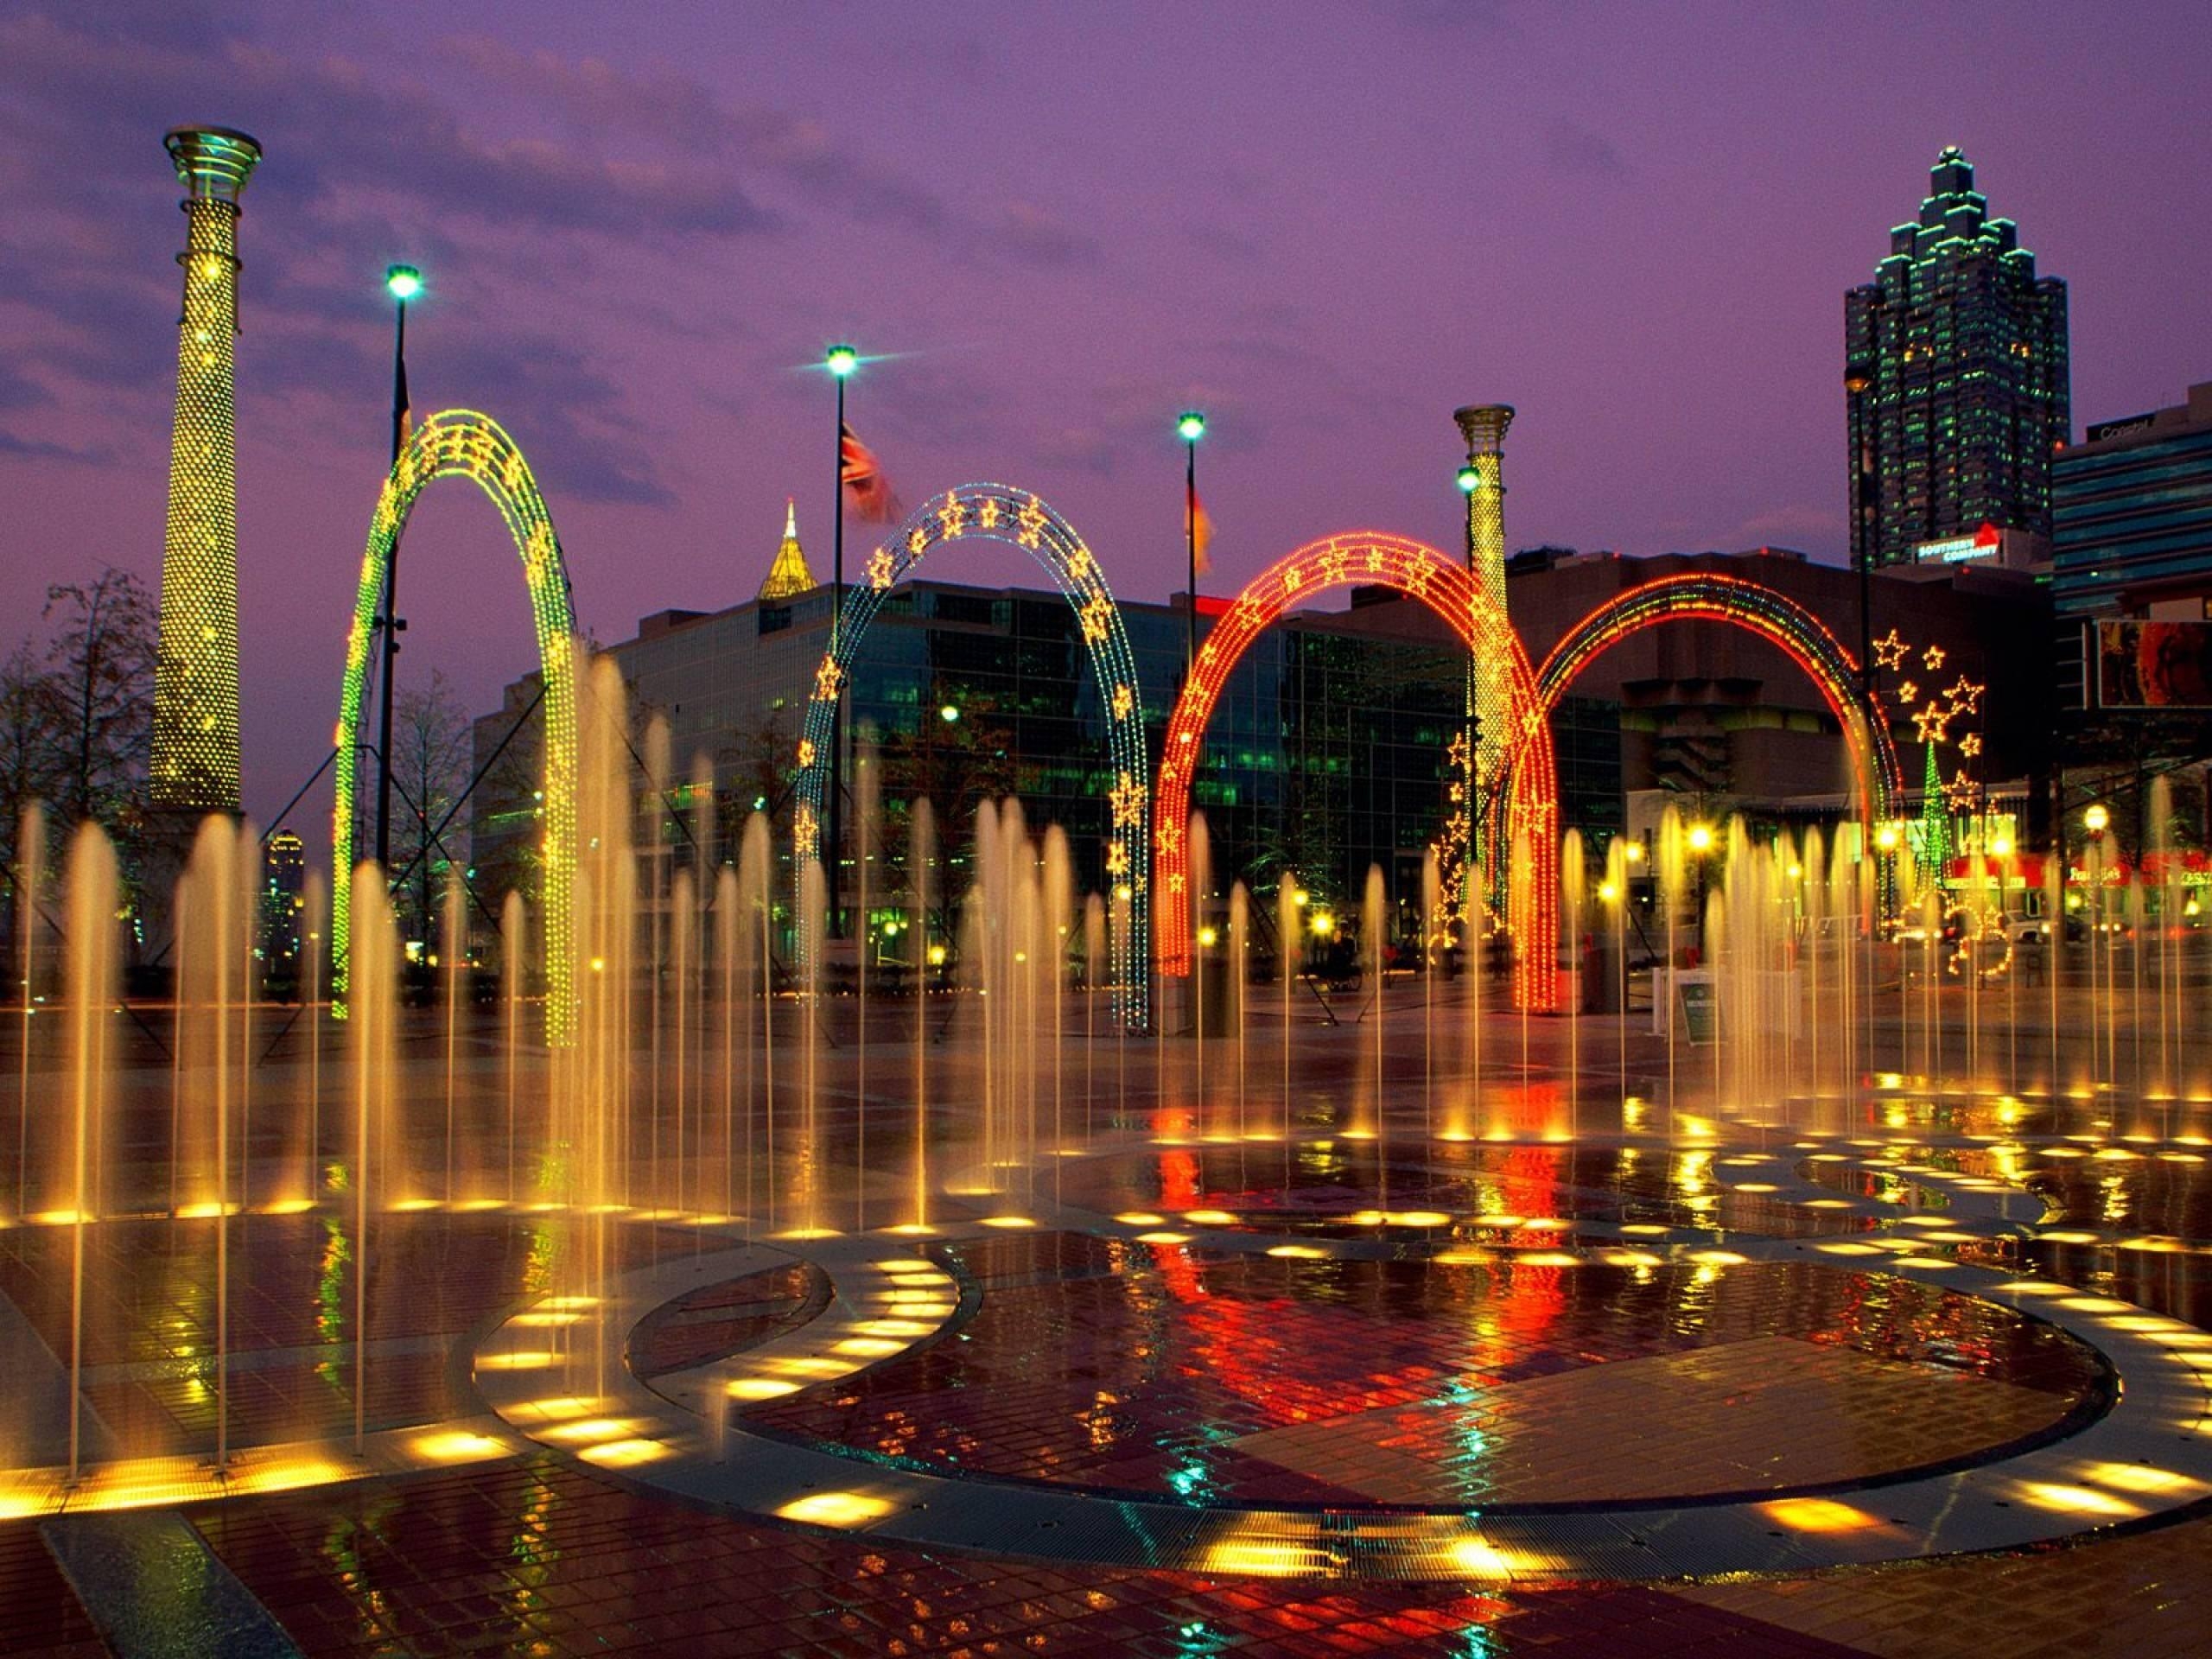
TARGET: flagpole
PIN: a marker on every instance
(402, 283)
(841, 361)
(1192, 426)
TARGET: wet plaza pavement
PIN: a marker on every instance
(1518, 1341)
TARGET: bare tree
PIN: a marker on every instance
(758, 762)
(431, 767)
(29, 759)
(29, 751)
(99, 664)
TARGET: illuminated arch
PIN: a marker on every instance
(1530, 808)
(1705, 597)
(998, 512)
(460, 443)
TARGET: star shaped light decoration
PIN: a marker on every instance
(1934, 719)
(1932, 723)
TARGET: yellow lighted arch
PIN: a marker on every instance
(460, 443)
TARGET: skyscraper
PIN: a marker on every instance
(790, 575)
(1954, 371)
(196, 747)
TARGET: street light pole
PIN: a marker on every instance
(1854, 386)
(841, 361)
(402, 283)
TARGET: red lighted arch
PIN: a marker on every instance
(1527, 815)
(1709, 596)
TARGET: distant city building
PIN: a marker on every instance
(1328, 751)
(285, 870)
(789, 575)
(1955, 376)
(2131, 513)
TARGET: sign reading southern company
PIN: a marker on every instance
(2102, 429)
(1984, 543)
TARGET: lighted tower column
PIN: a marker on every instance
(195, 747)
(1484, 425)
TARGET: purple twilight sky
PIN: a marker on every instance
(1326, 222)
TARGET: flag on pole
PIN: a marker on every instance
(1199, 531)
(865, 484)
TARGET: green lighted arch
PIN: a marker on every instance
(1002, 513)
(460, 443)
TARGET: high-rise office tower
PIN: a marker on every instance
(1954, 372)
(790, 575)
(196, 747)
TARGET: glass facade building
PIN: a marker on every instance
(1328, 751)
(1955, 378)
(2132, 515)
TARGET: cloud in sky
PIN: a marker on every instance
(1573, 149)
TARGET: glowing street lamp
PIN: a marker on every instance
(1700, 838)
(841, 361)
(1323, 923)
(2096, 821)
(404, 282)
(1470, 479)
(950, 713)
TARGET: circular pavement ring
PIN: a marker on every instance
(2148, 1457)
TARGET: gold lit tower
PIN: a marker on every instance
(195, 749)
(789, 575)
(1484, 481)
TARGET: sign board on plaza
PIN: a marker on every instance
(2100, 430)
(1985, 544)
(2154, 666)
